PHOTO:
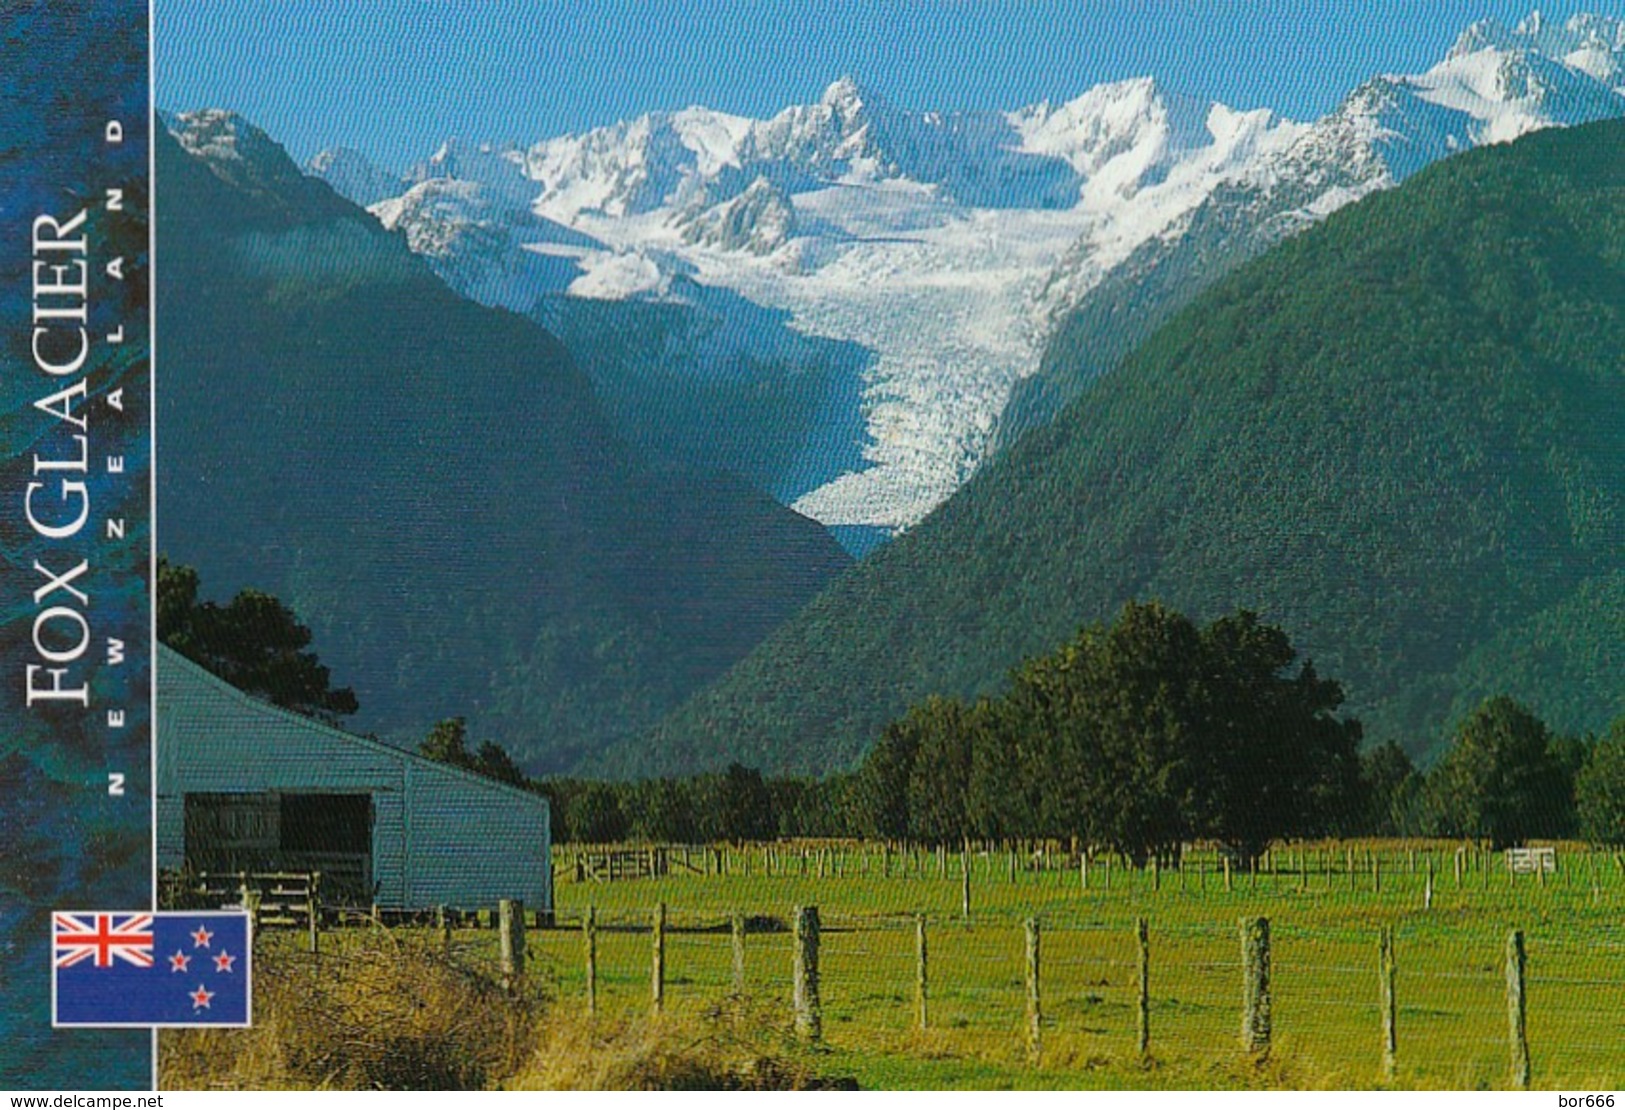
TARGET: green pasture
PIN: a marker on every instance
(1452, 1022)
(1451, 982)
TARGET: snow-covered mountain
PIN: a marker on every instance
(952, 245)
(1495, 84)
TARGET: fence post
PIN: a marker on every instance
(1227, 874)
(737, 942)
(1458, 868)
(964, 886)
(1143, 1024)
(1035, 1019)
(809, 1019)
(443, 920)
(920, 979)
(1013, 865)
(1427, 889)
(511, 942)
(589, 941)
(313, 906)
(1255, 987)
(1156, 874)
(657, 982)
(1516, 1010)
(1083, 869)
(1387, 966)
(1376, 874)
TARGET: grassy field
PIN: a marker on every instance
(1451, 979)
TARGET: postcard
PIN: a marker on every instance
(751, 546)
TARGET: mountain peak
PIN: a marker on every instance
(353, 176)
(1531, 24)
(846, 97)
(1485, 34)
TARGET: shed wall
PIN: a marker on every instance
(439, 836)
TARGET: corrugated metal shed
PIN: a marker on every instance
(241, 767)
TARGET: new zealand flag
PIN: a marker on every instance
(150, 969)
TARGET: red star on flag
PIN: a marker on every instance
(200, 998)
(178, 962)
(200, 937)
(224, 961)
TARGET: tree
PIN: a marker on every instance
(595, 815)
(881, 790)
(1388, 779)
(255, 643)
(447, 742)
(1275, 761)
(1599, 789)
(1502, 781)
(941, 773)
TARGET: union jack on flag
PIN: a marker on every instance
(138, 968)
(103, 937)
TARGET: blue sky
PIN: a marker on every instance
(395, 77)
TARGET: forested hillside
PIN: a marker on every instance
(1396, 436)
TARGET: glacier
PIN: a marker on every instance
(948, 244)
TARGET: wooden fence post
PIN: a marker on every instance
(1227, 874)
(313, 906)
(1516, 1010)
(920, 979)
(1035, 1014)
(1387, 966)
(1156, 875)
(809, 1019)
(1255, 985)
(1143, 1024)
(511, 942)
(964, 886)
(1083, 869)
(737, 942)
(1427, 889)
(1458, 868)
(657, 981)
(589, 942)
(443, 920)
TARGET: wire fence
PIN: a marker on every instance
(1451, 1010)
(1455, 1010)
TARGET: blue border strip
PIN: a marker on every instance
(76, 552)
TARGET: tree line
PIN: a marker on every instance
(1135, 737)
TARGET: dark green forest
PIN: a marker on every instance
(1139, 737)
(430, 483)
(1395, 436)
(1136, 737)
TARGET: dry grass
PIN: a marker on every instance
(390, 1010)
(377, 1009)
(731, 1047)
